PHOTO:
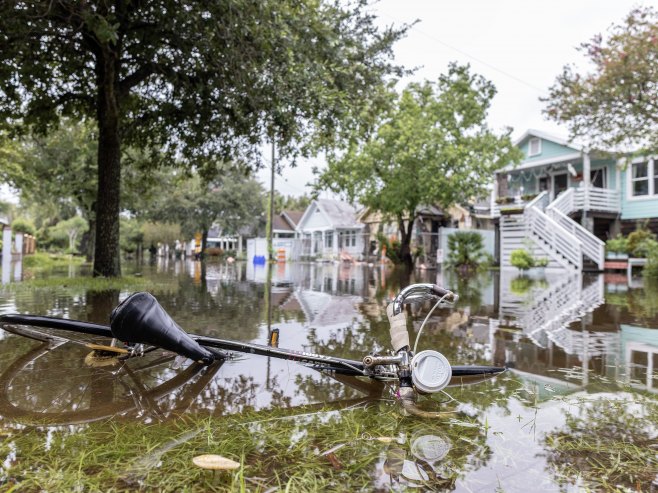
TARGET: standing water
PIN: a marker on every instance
(576, 410)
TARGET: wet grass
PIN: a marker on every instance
(41, 261)
(608, 445)
(280, 450)
(94, 284)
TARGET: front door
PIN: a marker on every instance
(560, 184)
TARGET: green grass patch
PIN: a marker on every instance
(84, 284)
(44, 261)
(279, 449)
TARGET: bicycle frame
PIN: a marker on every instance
(335, 364)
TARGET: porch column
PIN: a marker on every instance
(334, 242)
(322, 242)
(586, 178)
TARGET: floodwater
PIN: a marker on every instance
(581, 351)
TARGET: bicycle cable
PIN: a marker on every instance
(427, 318)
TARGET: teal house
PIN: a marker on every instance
(563, 201)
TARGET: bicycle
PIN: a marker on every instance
(142, 325)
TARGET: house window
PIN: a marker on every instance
(329, 239)
(640, 183)
(535, 147)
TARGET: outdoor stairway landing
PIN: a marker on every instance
(548, 231)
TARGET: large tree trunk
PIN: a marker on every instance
(106, 248)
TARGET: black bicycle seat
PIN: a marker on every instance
(140, 319)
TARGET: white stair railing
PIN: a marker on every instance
(570, 201)
(555, 240)
(592, 247)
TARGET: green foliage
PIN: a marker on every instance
(640, 242)
(618, 244)
(23, 225)
(164, 233)
(232, 201)
(40, 261)
(432, 147)
(522, 259)
(466, 250)
(69, 231)
(132, 234)
(612, 105)
(181, 78)
(650, 271)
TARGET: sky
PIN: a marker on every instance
(519, 45)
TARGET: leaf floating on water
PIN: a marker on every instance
(215, 462)
(413, 471)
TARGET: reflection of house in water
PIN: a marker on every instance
(325, 311)
(639, 356)
(544, 308)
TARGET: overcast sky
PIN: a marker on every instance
(520, 45)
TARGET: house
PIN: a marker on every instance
(284, 225)
(563, 200)
(329, 230)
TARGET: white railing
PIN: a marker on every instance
(575, 199)
(555, 237)
(565, 202)
(601, 199)
(591, 245)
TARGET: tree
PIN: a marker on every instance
(615, 104)
(433, 147)
(70, 229)
(55, 174)
(232, 201)
(195, 79)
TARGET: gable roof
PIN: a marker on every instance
(531, 132)
(293, 217)
(339, 215)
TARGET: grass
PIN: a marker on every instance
(282, 448)
(610, 446)
(44, 261)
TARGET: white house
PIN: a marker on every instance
(329, 230)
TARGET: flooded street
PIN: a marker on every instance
(577, 408)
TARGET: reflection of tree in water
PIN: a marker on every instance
(608, 443)
(639, 306)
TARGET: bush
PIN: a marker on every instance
(21, 225)
(466, 250)
(522, 259)
(636, 240)
(618, 244)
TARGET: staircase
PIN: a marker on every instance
(548, 231)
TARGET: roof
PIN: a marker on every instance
(293, 217)
(279, 223)
(553, 138)
(339, 215)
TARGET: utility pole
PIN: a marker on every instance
(270, 216)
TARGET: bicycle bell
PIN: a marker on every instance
(430, 371)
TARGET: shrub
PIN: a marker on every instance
(618, 244)
(21, 225)
(466, 250)
(636, 240)
(522, 259)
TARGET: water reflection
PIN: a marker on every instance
(564, 337)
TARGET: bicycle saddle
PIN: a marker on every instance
(140, 319)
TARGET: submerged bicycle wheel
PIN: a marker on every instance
(61, 379)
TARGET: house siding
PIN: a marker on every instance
(316, 220)
(636, 208)
(548, 150)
